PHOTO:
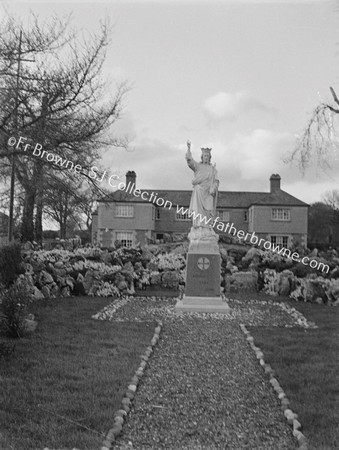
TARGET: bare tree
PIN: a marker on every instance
(331, 198)
(63, 104)
(319, 138)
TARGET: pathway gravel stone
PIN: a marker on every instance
(203, 387)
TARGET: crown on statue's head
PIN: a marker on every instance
(206, 151)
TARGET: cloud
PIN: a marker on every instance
(229, 106)
(246, 162)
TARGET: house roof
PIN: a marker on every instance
(225, 199)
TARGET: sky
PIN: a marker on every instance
(241, 77)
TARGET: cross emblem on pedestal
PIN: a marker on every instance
(203, 263)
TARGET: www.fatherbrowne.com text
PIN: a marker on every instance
(225, 227)
(153, 197)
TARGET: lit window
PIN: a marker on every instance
(282, 241)
(224, 215)
(124, 211)
(180, 216)
(280, 214)
(126, 238)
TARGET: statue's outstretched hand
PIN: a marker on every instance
(188, 145)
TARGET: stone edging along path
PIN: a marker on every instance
(120, 415)
(290, 416)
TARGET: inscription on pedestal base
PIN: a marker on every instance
(203, 275)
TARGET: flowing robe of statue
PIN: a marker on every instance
(204, 195)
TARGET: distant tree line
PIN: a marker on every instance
(323, 222)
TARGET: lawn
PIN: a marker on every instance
(62, 385)
(306, 363)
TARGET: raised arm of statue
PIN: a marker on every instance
(189, 158)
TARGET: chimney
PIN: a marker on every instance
(131, 177)
(275, 182)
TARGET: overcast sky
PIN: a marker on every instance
(239, 76)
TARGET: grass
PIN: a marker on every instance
(63, 383)
(306, 363)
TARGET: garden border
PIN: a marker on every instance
(126, 402)
(291, 417)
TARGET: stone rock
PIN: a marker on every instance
(69, 281)
(223, 254)
(252, 258)
(91, 279)
(181, 249)
(170, 279)
(128, 267)
(146, 254)
(46, 292)
(28, 268)
(54, 288)
(45, 278)
(65, 292)
(271, 282)
(127, 275)
(152, 266)
(296, 424)
(28, 280)
(61, 281)
(122, 285)
(178, 237)
(60, 272)
(28, 246)
(38, 266)
(332, 291)
(311, 289)
(80, 278)
(285, 282)
(335, 272)
(241, 280)
(230, 267)
(59, 265)
(30, 325)
(37, 294)
(155, 279)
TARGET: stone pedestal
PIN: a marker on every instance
(203, 268)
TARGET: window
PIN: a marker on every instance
(245, 216)
(282, 241)
(224, 215)
(126, 238)
(124, 211)
(280, 214)
(157, 214)
(180, 216)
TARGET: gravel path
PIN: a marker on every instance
(203, 387)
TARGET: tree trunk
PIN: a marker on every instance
(40, 173)
(27, 225)
(39, 202)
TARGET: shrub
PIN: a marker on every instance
(10, 264)
(13, 309)
(301, 270)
